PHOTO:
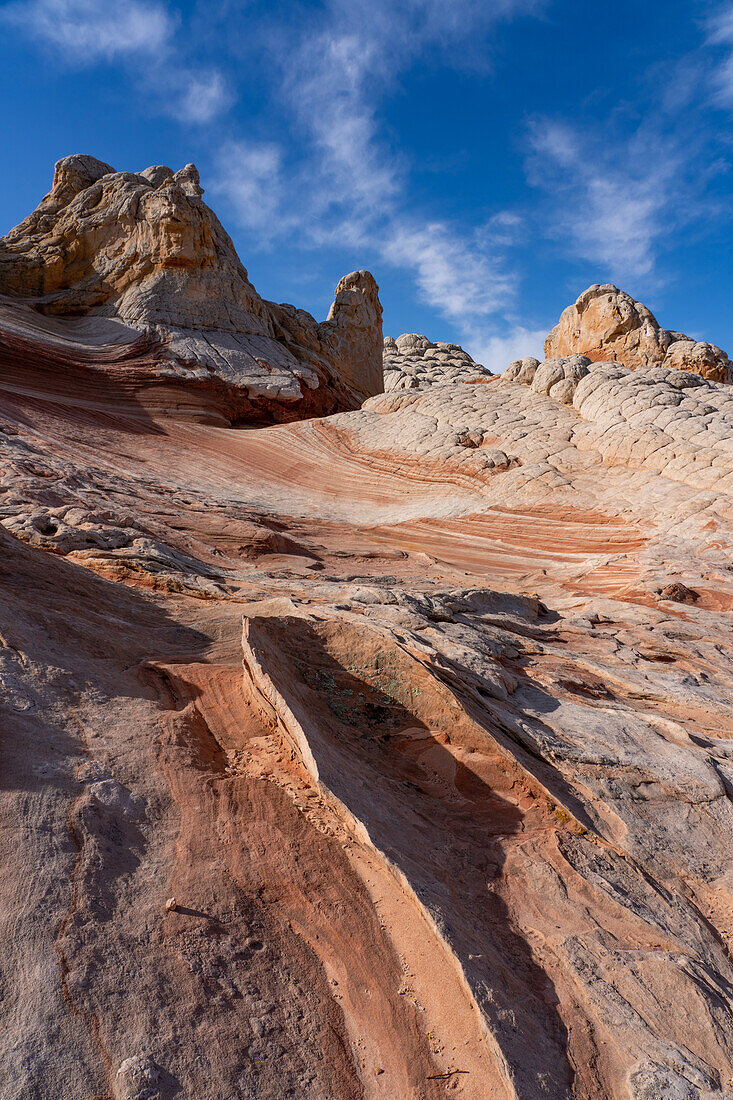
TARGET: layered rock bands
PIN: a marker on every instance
(382, 755)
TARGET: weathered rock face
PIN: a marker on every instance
(142, 253)
(412, 360)
(408, 818)
(381, 755)
(700, 358)
(606, 323)
(353, 332)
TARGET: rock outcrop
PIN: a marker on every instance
(387, 754)
(606, 323)
(557, 378)
(412, 360)
(142, 254)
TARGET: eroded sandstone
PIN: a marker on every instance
(386, 754)
(117, 258)
(412, 360)
(606, 323)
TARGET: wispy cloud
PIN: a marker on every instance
(497, 351)
(140, 35)
(612, 202)
(620, 189)
(453, 273)
(343, 65)
(251, 175)
(352, 186)
(196, 96)
(87, 31)
(326, 86)
(720, 34)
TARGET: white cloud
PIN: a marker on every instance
(452, 272)
(720, 33)
(612, 202)
(351, 187)
(250, 175)
(722, 79)
(327, 89)
(86, 31)
(340, 68)
(202, 96)
(720, 26)
(497, 352)
(139, 35)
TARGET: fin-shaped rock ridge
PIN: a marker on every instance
(142, 253)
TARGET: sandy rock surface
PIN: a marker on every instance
(606, 323)
(382, 755)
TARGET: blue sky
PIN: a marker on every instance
(485, 159)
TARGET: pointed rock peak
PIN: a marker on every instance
(188, 179)
(353, 331)
(357, 295)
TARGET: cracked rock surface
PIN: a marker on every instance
(412, 361)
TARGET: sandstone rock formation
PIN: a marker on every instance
(606, 323)
(412, 360)
(127, 254)
(381, 755)
(555, 377)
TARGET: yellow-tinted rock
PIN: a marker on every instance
(607, 324)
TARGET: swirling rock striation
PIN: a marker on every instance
(382, 754)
